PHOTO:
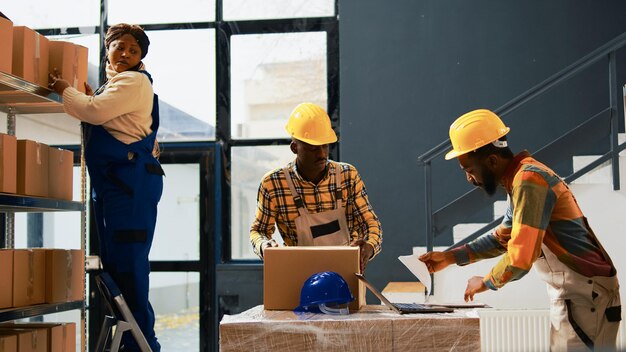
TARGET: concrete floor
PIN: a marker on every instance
(179, 331)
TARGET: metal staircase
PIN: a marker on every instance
(601, 128)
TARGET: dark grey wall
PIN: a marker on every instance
(409, 68)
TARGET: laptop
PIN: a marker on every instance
(404, 308)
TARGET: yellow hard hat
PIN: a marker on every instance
(310, 123)
(473, 130)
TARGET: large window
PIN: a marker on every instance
(178, 223)
(270, 75)
(236, 10)
(249, 164)
(228, 73)
(175, 298)
(182, 64)
(161, 11)
(53, 14)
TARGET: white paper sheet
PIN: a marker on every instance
(418, 268)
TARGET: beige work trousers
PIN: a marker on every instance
(590, 305)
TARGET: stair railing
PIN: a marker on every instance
(605, 52)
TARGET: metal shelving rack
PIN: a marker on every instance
(39, 309)
(20, 97)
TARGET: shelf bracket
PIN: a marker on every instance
(9, 229)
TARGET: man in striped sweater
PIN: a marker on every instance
(543, 226)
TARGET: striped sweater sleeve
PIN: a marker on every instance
(520, 235)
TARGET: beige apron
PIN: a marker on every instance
(328, 228)
(585, 312)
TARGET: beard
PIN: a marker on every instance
(490, 186)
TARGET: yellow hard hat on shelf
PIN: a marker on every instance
(310, 123)
(473, 130)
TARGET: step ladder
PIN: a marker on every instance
(120, 317)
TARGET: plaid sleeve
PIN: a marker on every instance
(263, 226)
(360, 211)
(532, 203)
(484, 247)
(488, 246)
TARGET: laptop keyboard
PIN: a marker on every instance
(410, 306)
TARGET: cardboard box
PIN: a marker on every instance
(82, 60)
(28, 340)
(285, 269)
(6, 45)
(32, 168)
(61, 336)
(30, 56)
(405, 292)
(71, 62)
(6, 278)
(8, 343)
(8, 163)
(29, 277)
(61, 56)
(64, 275)
(60, 173)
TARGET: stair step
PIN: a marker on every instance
(603, 174)
(499, 208)
(461, 231)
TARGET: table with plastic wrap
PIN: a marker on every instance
(372, 328)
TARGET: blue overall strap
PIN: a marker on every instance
(116, 151)
(155, 106)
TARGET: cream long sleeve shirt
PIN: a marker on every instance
(123, 108)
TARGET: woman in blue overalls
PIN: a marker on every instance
(120, 124)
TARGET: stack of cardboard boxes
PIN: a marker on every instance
(38, 337)
(40, 275)
(35, 169)
(36, 276)
(31, 56)
(27, 167)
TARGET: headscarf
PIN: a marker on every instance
(118, 30)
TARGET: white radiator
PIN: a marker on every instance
(522, 330)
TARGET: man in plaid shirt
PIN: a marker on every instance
(313, 200)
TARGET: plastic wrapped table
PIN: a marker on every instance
(373, 328)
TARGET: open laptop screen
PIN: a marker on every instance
(403, 308)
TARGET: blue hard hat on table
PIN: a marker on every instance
(323, 292)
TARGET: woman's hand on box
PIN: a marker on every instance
(56, 82)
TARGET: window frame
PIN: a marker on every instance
(214, 156)
(225, 31)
